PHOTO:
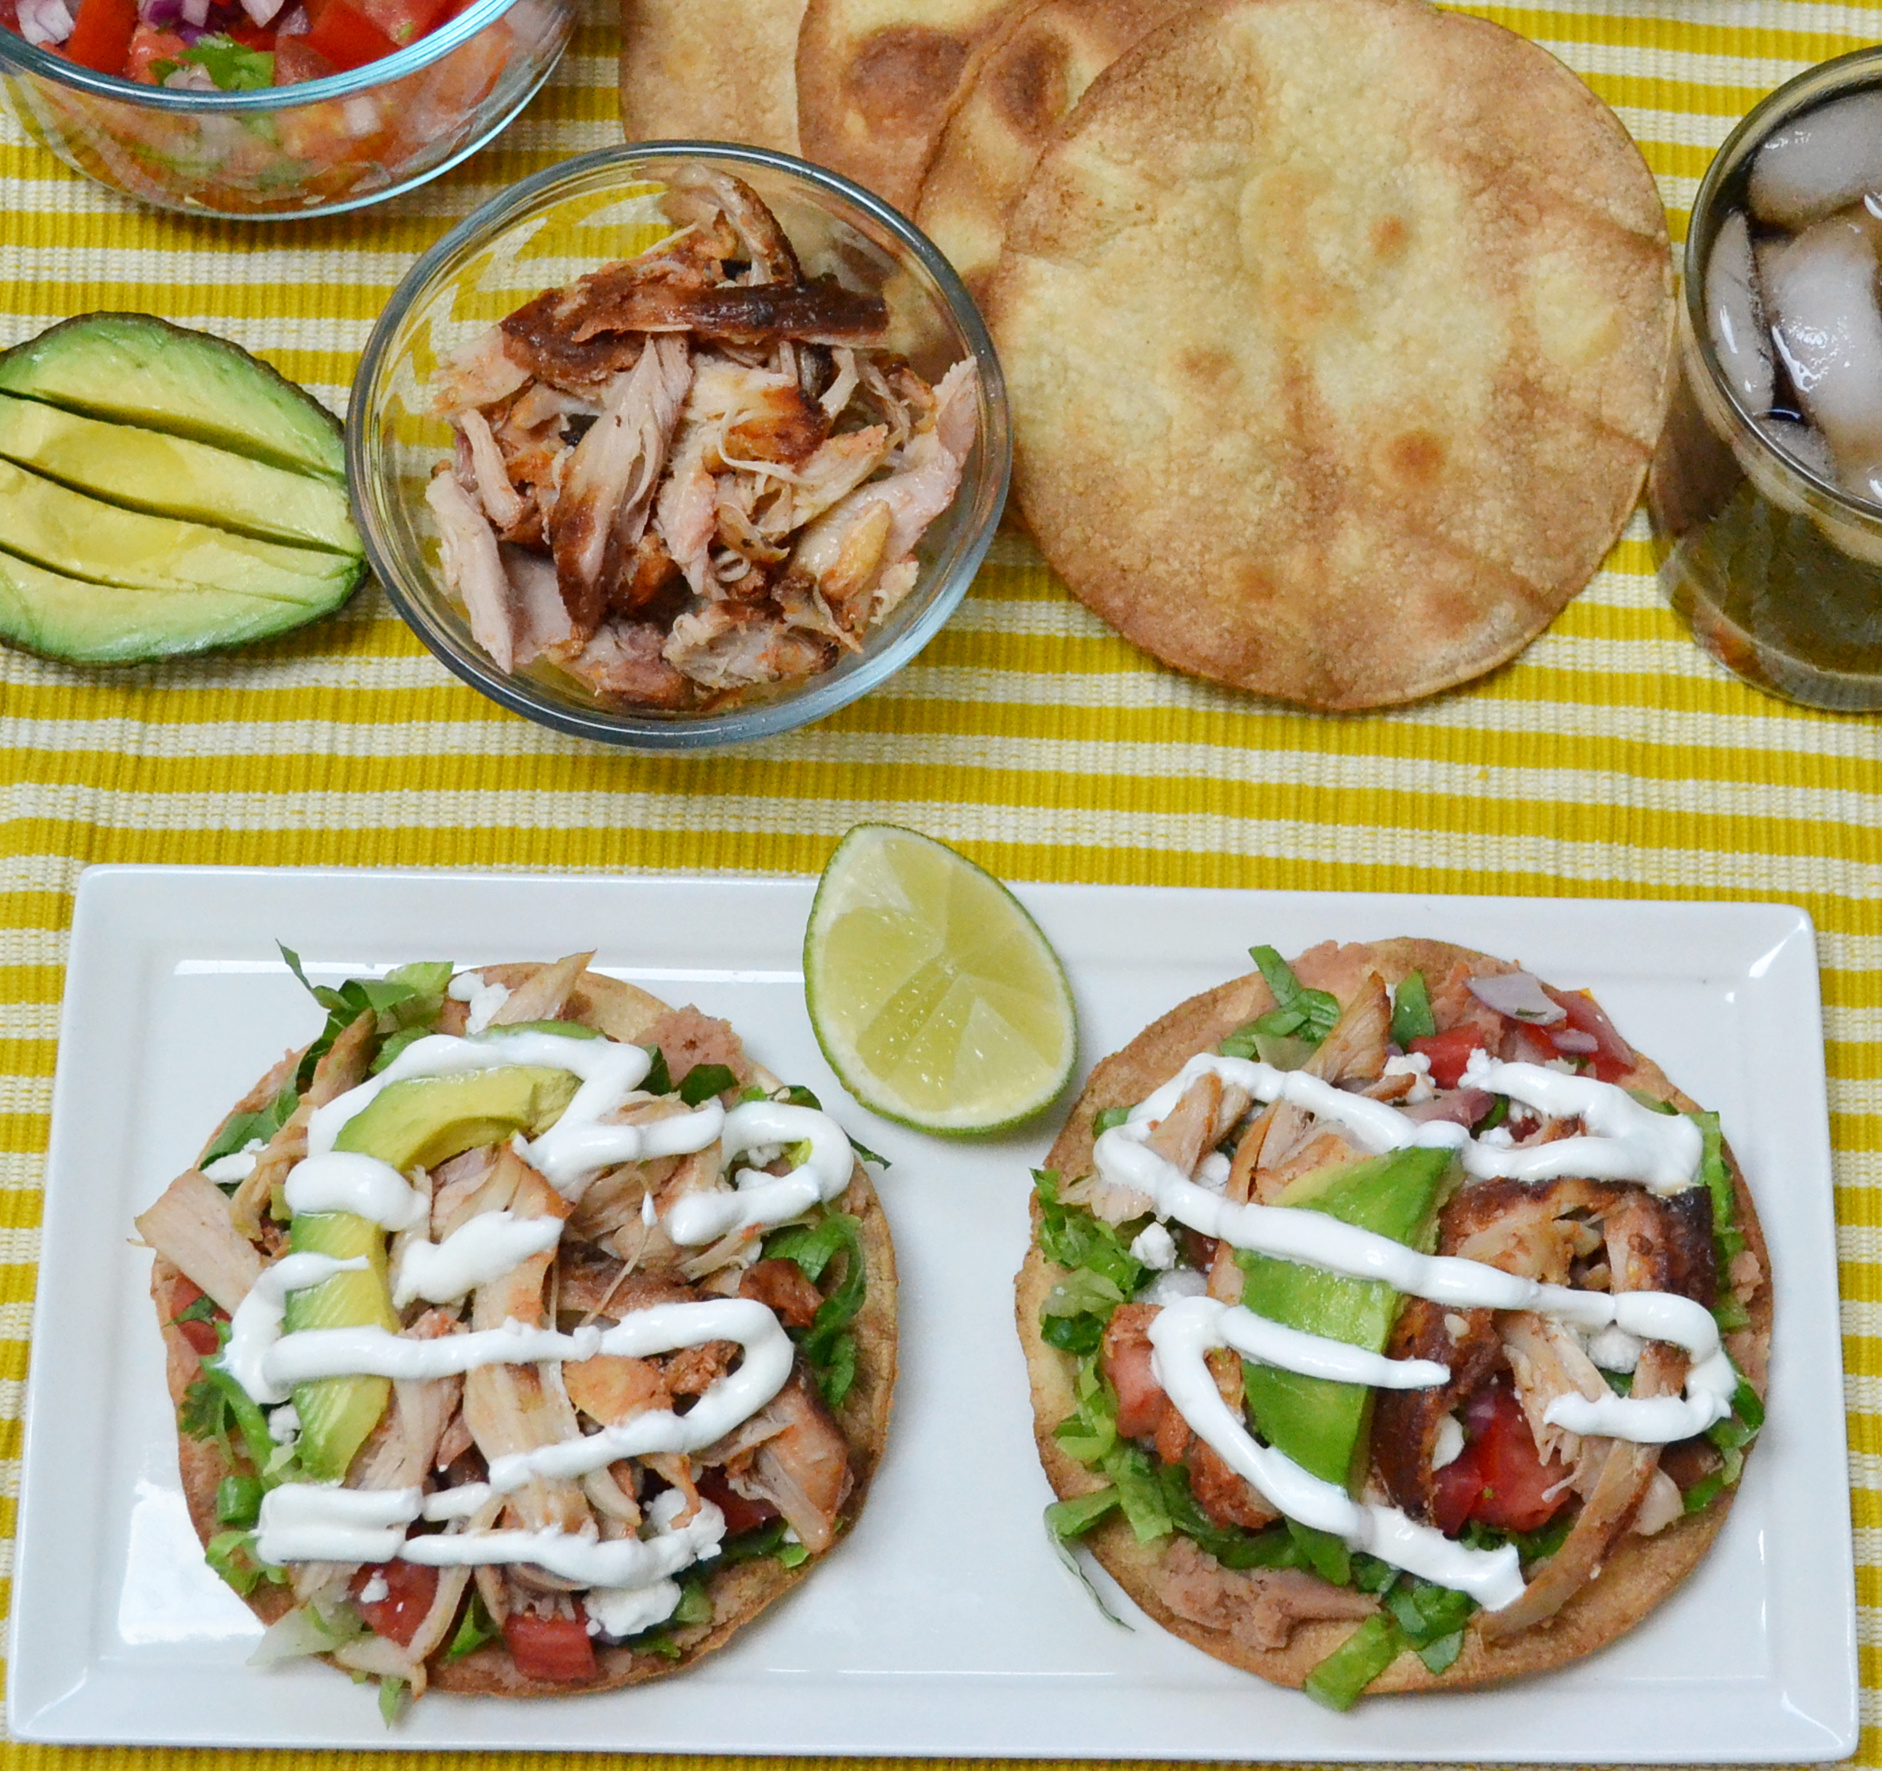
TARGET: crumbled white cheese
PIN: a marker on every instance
(482, 999)
(1614, 1349)
(1498, 1135)
(1417, 1066)
(284, 1425)
(238, 1165)
(374, 1590)
(1172, 1287)
(1155, 1247)
(1213, 1171)
(1448, 1447)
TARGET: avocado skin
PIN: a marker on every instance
(1323, 1426)
(427, 1120)
(137, 369)
(338, 1413)
(172, 476)
(78, 622)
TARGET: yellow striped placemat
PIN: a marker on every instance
(1612, 759)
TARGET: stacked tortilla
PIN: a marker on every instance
(1337, 332)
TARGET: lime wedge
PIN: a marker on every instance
(932, 992)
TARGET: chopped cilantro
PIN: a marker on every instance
(233, 66)
(704, 1081)
(1298, 1012)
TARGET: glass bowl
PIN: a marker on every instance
(285, 152)
(571, 219)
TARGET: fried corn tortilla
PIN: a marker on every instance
(738, 1590)
(1034, 71)
(1227, 1615)
(711, 70)
(878, 79)
(1337, 335)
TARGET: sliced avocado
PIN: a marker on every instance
(84, 623)
(337, 1413)
(429, 1119)
(82, 537)
(1320, 1424)
(173, 476)
(137, 369)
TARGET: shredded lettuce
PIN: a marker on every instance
(238, 1500)
(1069, 1520)
(473, 1631)
(1411, 1011)
(245, 1128)
(392, 1700)
(1073, 1238)
(1339, 1679)
(1139, 1492)
(1089, 1432)
(828, 1344)
(232, 1555)
(408, 997)
(307, 1629)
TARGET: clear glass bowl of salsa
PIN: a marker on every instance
(232, 143)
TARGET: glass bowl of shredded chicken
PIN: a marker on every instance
(679, 446)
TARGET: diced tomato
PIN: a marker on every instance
(149, 44)
(404, 21)
(741, 1512)
(1449, 1052)
(1613, 1057)
(558, 1649)
(251, 35)
(344, 36)
(1499, 1478)
(410, 1589)
(10, 16)
(1124, 1359)
(1524, 1044)
(296, 60)
(200, 1334)
(101, 37)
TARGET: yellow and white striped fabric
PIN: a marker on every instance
(1612, 759)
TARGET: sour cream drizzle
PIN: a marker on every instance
(1627, 1142)
(630, 1578)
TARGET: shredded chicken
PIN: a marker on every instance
(695, 472)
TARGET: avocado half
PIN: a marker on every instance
(174, 494)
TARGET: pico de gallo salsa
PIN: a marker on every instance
(224, 45)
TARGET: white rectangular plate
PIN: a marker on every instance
(946, 1626)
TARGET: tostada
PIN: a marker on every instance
(525, 1335)
(1392, 1324)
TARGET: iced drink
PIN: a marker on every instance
(1766, 492)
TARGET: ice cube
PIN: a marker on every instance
(1820, 162)
(1820, 293)
(1735, 316)
(1802, 444)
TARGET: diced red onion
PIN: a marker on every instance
(196, 12)
(1520, 997)
(261, 11)
(45, 21)
(294, 23)
(1458, 1106)
(1572, 1043)
(161, 15)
